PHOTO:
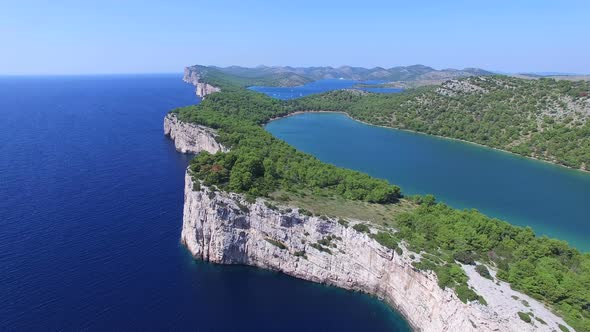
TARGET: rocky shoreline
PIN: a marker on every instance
(224, 228)
(191, 138)
(202, 89)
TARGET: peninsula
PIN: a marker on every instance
(247, 202)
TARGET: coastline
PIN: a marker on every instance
(229, 241)
(587, 171)
(216, 229)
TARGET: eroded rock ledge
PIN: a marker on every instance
(202, 89)
(191, 138)
(224, 228)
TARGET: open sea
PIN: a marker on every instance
(91, 196)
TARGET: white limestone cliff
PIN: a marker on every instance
(222, 227)
(191, 138)
(202, 89)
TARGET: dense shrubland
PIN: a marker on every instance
(259, 164)
(546, 269)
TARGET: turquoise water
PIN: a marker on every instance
(553, 200)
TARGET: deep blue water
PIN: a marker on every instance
(90, 218)
(551, 199)
(318, 87)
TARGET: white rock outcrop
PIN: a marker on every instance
(191, 138)
(224, 228)
(452, 88)
(203, 89)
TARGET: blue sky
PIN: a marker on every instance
(150, 36)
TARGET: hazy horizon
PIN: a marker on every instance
(180, 72)
(137, 37)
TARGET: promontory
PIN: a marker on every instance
(247, 200)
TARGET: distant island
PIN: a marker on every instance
(409, 76)
(253, 199)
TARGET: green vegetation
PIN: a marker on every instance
(196, 186)
(540, 320)
(320, 202)
(363, 228)
(270, 206)
(276, 243)
(300, 254)
(321, 248)
(450, 275)
(465, 257)
(242, 207)
(466, 294)
(546, 269)
(524, 316)
(260, 165)
(545, 118)
(483, 271)
(327, 241)
(233, 78)
(385, 239)
(305, 212)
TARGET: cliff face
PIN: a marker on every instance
(191, 138)
(224, 228)
(192, 76)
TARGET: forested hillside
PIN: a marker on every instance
(545, 118)
(294, 76)
(259, 164)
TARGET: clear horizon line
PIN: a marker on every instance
(90, 74)
(500, 72)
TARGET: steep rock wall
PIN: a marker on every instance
(223, 228)
(203, 89)
(191, 138)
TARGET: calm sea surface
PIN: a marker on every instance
(90, 218)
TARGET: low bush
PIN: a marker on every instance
(465, 257)
(270, 206)
(300, 254)
(483, 271)
(276, 243)
(305, 212)
(524, 316)
(385, 239)
(363, 228)
(321, 248)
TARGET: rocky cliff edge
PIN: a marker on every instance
(193, 77)
(222, 227)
